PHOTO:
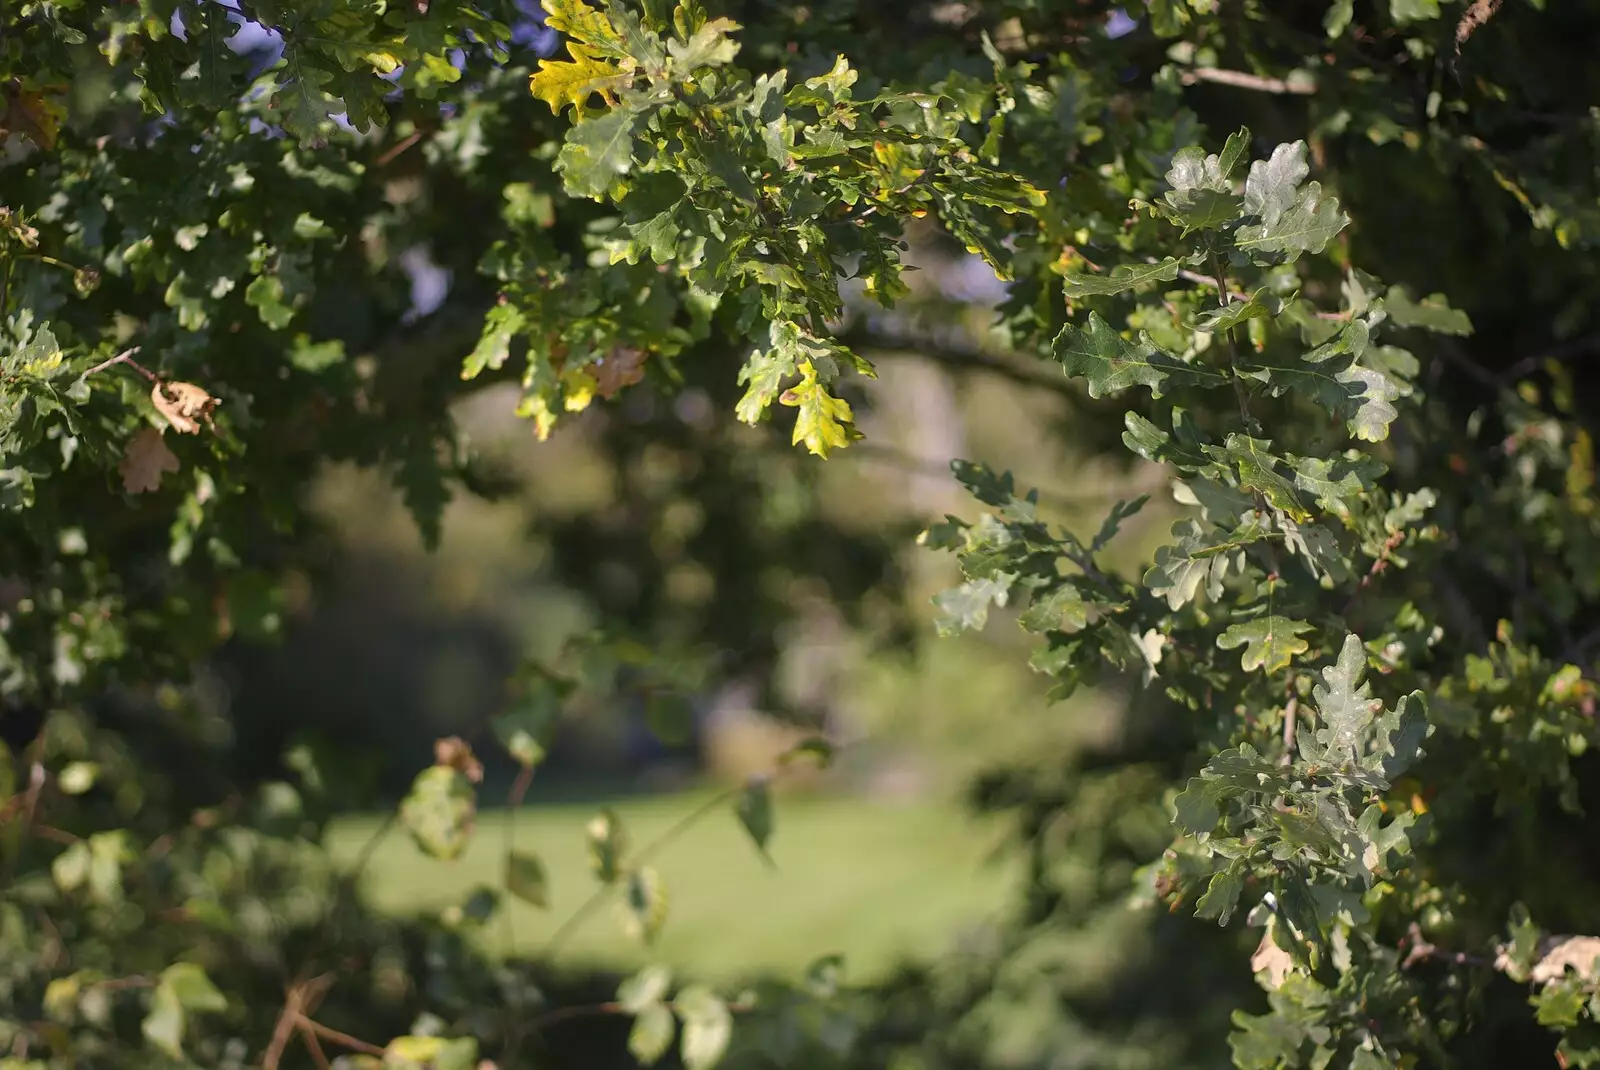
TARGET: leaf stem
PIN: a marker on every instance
(597, 898)
(1225, 297)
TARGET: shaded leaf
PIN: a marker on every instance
(754, 810)
(144, 460)
(1123, 277)
(526, 879)
(1111, 363)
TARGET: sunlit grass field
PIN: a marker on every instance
(882, 880)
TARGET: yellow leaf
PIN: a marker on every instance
(581, 22)
(562, 82)
(823, 422)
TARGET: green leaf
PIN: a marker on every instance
(1270, 643)
(815, 747)
(644, 903)
(1345, 704)
(607, 842)
(439, 811)
(1432, 313)
(644, 989)
(164, 1023)
(526, 879)
(77, 777)
(503, 323)
(1123, 277)
(1404, 11)
(1306, 226)
(651, 1034)
(1261, 305)
(1221, 895)
(1197, 806)
(709, 46)
(1255, 467)
(1180, 568)
(1112, 524)
(1273, 184)
(1112, 364)
(597, 152)
(1061, 609)
(192, 988)
(707, 1027)
(182, 988)
(966, 608)
(754, 810)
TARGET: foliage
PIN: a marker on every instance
(202, 254)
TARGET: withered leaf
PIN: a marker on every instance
(455, 752)
(184, 405)
(144, 459)
(1557, 954)
(1271, 960)
(622, 367)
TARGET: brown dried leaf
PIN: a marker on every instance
(184, 405)
(1272, 960)
(455, 752)
(1558, 953)
(624, 366)
(144, 459)
(33, 115)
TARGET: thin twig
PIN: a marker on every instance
(596, 899)
(125, 357)
(1291, 720)
(1242, 80)
(1207, 280)
(514, 1015)
(397, 148)
(1422, 950)
(344, 1039)
(1223, 292)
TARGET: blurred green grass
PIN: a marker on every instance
(882, 880)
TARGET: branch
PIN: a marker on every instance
(1241, 80)
(125, 357)
(1422, 951)
(973, 359)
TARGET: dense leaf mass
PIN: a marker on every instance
(1362, 664)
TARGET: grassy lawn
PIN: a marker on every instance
(882, 881)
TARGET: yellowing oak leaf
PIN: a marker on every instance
(562, 82)
(580, 22)
(143, 460)
(184, 405)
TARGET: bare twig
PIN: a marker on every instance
(125, 357)
(567, 928)
(343, 1039)
(1291, 720)
(1243, 80)
(1422, 951)
(397, 148)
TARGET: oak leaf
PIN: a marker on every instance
(184, 405)
(144, 458)
(623, 367)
